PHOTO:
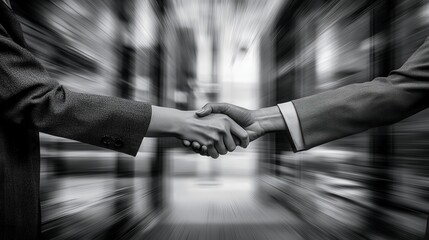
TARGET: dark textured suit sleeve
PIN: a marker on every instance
(29, 97)
(355, 108)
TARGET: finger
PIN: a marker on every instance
(229, 141)
(220, 146)
(186, 143)
(196, 146)
(240, 133)
(212, 151)
(236, 140)
(203, 151)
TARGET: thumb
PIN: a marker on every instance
(205, 111)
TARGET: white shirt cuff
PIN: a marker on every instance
(291, 118)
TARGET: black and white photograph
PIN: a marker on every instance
(214, 120)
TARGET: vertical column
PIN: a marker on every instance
(124, 186)
(381, 138)
(125, 14)
(213, 29)
(156, 71)
(124, 87)
(284, 88)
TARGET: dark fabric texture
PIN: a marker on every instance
(7, 2)
(358, 107)
(31, 102)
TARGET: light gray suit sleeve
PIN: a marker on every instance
(30, 98)
(355, 108)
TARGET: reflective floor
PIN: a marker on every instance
(224, 209)
(214, 199)
(98, 207)
(108, 208)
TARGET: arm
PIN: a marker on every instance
(355, 108)
(256, 122)
(215, 131)
(259, 122)
(31, 99)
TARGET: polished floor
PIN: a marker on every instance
(225, 209)
(105, 207)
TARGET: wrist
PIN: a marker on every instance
(181, 123)
(166, 122)
(270, 119)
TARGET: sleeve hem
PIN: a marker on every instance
(293, 125)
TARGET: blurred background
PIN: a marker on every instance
(185, 53)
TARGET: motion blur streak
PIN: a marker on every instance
(184, 53)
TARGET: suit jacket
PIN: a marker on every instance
(31, 102)
(357, 107)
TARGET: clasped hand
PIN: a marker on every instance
(218, 128)
(244, 124)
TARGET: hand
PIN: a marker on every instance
(255, 122)
(215, 132)
(244, 117)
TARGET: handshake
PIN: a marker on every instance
(216, 129)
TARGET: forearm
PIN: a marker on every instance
(353, 109)
(30, 98)
(102, 121)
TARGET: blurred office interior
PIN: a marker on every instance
(185, 53)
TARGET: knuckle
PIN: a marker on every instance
(211, 138)
(216, 128)
(216, 137)
(222, 130)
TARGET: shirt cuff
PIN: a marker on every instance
(291, 118)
